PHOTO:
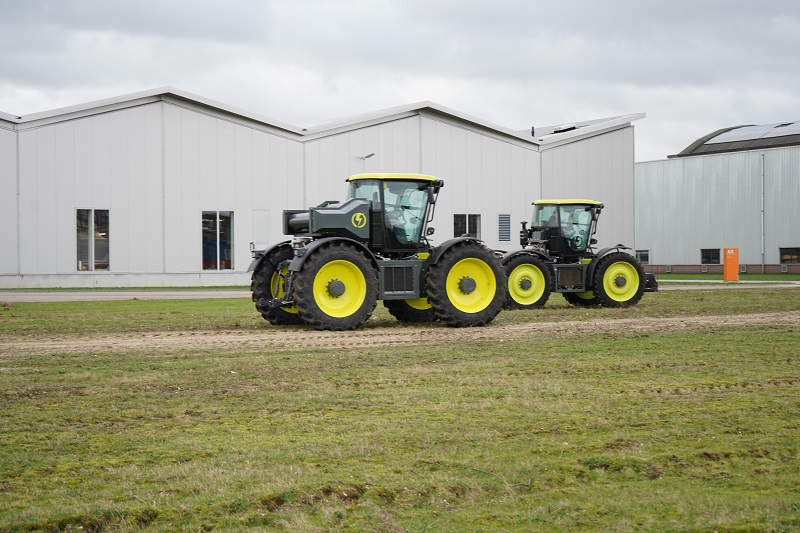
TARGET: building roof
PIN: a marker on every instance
(541, 137)
(747, 137)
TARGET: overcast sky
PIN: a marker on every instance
(692, 66)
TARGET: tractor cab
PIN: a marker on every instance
(565, 227)
(400, 206)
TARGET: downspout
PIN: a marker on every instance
(763, 256)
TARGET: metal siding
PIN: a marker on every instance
(782, 192)
(173, 194)
(119, 200)
(243, 204)
(600, 168)
(8, 202)
(208, 139)
(47, 223)
(65, 254)
(153, 210)
(28, 203)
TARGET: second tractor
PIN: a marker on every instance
(558, 257)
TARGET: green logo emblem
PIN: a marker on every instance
(359, 220)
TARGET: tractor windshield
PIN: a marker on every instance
(404, 203)
(545, 216)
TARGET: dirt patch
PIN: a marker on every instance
(305, 338)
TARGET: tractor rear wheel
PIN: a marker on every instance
(466, 286)
(619, 280)
(336, 288)
(581, 299)
(529, 282)
(417, 310)
(268, 282)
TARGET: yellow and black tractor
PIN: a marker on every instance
(558, 257)
(343, 257)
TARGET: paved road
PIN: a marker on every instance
(100, 295)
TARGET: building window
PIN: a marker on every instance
(93, 235)
(643, 256)
(709, 256)
(790, 255)
(504, 228)
(467, 225)
(217, 240)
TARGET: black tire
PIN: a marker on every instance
(582, 299)
(529, 282)
(411, 310)
(268, 281)
(467, 286)
(618, 280)
(336, 289)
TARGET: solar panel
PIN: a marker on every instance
(749, 133)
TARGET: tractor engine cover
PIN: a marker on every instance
(350, 219)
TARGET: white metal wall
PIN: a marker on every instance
(715, 201)
(211, 164)
(483, 175)
(8, 202)
(599, 168)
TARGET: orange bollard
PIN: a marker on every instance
(730, 270)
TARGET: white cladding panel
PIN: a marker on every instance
(213, 164)
(599, 168)
(329, 161)
(109, 161)
(8, 202)
(483, 175)
(684, 205)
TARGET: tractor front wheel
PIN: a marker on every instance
(529, 282)
(336, 288)
(619, 280)
(269, 282)
(417, 310)
(466, 286)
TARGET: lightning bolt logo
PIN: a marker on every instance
(359, 220)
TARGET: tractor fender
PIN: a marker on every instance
(505, 258)
(261, 254)
(297, 262)
(602, 253)
(437, 252)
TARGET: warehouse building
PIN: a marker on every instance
(167, 188)
(737, 187)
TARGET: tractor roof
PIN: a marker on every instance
(392, 176)
(567, 202)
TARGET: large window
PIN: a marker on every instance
(709, 256)
(790, 255)
(217, 240)
(92, 239)
(504, 228)
(467, 225)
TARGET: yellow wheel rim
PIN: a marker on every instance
(588, 295)
(526, 284)
(277, 281)
(621, 281)
(419, 303)
(471, 285)
(339, 288)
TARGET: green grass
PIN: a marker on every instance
(669, 431)
(774, 278)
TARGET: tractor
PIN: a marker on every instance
(558, 257)
(344, 257)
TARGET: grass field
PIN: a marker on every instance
(691, 426)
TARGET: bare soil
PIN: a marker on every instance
(371, 336)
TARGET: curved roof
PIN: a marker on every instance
(747, 137)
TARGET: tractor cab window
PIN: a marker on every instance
(366, 190)
(405, 203)
(545, 216)
(576, 223)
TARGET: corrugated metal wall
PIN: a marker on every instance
(686, 204)
(599, 168)
(8, 201)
